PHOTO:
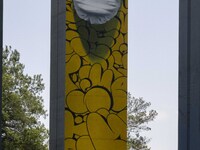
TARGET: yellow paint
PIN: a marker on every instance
(96, 82)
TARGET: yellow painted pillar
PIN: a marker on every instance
(96, 82)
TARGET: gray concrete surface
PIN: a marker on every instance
(189, 75)
(1, 48)
(57, 79)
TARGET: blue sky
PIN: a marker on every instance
(153, 55)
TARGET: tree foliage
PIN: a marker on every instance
(22, 106)
(138, 118)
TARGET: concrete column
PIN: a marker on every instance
(189, 75)
(1, 48)
(57, 88)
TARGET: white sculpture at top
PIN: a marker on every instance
(97, 11)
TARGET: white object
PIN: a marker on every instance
(97, 11)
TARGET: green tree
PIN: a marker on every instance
(138, 118)
(22, 106)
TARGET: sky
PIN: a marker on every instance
(153, 56)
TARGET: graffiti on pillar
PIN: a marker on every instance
(96, 75)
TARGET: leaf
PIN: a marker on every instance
(22, 106)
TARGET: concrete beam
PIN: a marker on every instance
(57, 86)
(189, 75)
(1, 49)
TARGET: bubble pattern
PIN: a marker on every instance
(96, 82)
